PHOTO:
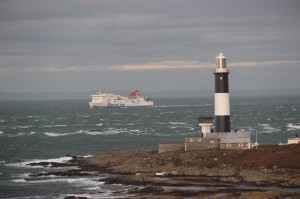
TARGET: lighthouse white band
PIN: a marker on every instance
(222, 104)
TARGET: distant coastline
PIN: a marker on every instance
(15, 96)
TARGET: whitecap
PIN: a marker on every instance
(267, 128)
(1, 132)
(14, 135)
(22, 127)
(56, 134)
(19, 180)
(55, 125)
(263, 124)
(31, 133)
(22, 175)
(35, 116)
(79, 182)
(292, 127)
(163, 113)
(94, 133)
(130, 124)
(182, 123)
(26, 163)
(137, 130)
(100, 124)
(2, 121)
(84, 116)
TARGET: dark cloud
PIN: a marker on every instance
(60, 37)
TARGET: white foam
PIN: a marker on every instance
(55, 125)
(292, 127)
(35, 116)
(93, 133)
(162, 113)
(22, 127)
(85, 116)
(263, 124)
(109, 131)
(268, 128)
(22, 175)
(182, 123)
(79, 182)
(100, 124)
(160, 123)
(19, 180)
(2, 121)
(56, 134)
(1, 132)
(137, 130)
(26, 163)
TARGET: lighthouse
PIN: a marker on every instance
(222, 109)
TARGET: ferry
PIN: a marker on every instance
(109, 100)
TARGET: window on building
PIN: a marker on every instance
(212, 143)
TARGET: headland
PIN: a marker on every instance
(266, 172)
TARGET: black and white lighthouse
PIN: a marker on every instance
(222, 109)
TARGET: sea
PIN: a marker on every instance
(54, 130)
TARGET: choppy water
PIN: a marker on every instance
(42, 130)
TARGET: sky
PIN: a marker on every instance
(149, 45)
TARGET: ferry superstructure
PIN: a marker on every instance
(109, 100)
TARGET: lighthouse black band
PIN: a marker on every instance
(221, 83)
(222, 123)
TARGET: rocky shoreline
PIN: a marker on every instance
(266, 172)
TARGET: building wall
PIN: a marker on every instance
(293, 140)
(192, 144)
(165, 147)
(234, 145)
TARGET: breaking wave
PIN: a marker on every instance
(26, 163)
(110, 131)
(292, 127)
(267, 128)
(55, 125)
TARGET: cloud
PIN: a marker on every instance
(163, 65)
(169, 65)
(264, 63)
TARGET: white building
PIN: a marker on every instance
(295, 140)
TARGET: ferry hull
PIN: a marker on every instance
(108, 105)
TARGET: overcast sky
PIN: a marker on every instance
(150, 45)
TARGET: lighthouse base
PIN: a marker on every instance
(222, 124)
